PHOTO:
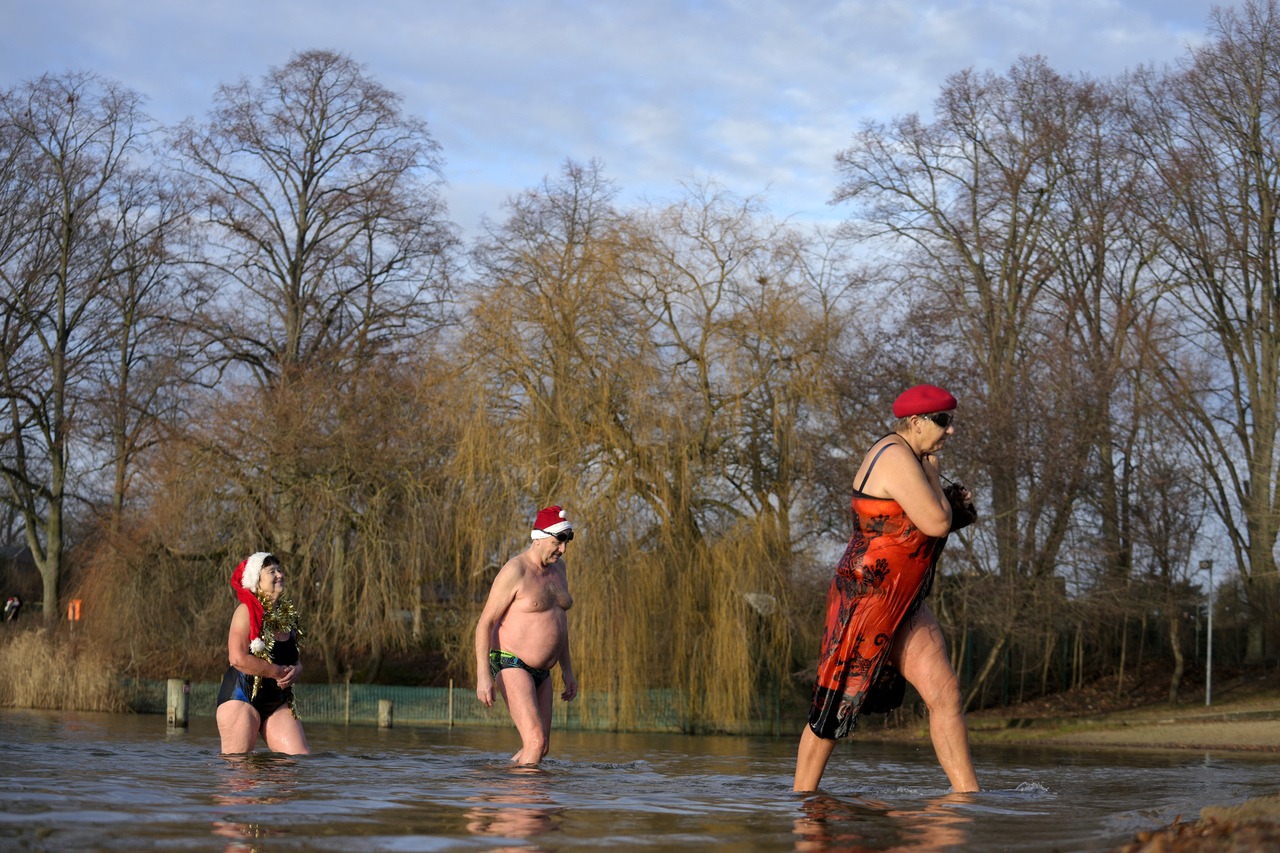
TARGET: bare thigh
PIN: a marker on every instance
(238, 723)
(920, 653)
(516, 687)
(284, 734)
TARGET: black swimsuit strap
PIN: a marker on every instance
(867, 476)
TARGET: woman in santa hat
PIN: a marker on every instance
(878, 627)
(257, 690)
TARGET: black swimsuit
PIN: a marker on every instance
(238, 686)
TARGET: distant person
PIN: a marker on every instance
(11, 607)
(524, 631)
(262, 647)
(876, 615)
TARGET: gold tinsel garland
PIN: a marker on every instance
(276, 619)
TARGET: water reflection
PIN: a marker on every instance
(520, 807)
(830, 825)
(252, 780)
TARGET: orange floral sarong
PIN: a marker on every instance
(884, 574)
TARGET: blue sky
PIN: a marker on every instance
(757, 94)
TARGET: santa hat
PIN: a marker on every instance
(923, 400)
(550, 521)
(244, 580)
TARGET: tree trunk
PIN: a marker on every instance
(332, 662)
(1050, 641)
(375, 661)
(1124, 643)
(1142, 643)
(1175, 645)
(1078, 657)
(993, 657)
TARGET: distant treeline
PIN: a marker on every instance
(259, 330)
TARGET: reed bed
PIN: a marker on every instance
(38, 670)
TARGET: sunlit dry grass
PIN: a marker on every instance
(40, 671)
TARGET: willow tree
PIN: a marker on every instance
(553, 355)
(1209, 129)
(652, 370)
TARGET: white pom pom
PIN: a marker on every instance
(257, 645)
(562, 513)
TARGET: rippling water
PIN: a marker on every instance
(72, 782)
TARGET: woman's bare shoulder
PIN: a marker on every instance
(892, 449)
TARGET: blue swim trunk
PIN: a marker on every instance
(499, 659)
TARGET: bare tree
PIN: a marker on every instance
(74, 145)
(328, 234)
(973, 197)
(1210, 131)
(1108, 297)
(147, 363)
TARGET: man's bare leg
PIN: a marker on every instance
(546, 695)
(516, 687)
(920, 654)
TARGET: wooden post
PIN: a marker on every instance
(348, 714)
(385, 712)
(176, 702)
(450, 703)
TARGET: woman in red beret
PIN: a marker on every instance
(878, 627)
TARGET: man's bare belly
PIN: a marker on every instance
(536, 638)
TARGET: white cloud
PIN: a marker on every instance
(760, 93)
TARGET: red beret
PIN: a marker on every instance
(923, 400)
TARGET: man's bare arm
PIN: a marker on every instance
(501, 594)
(566, 673)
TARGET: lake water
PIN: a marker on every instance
(79, 781)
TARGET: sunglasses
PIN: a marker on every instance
(562, 536)
(942, 419)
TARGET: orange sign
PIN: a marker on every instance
(73, 610)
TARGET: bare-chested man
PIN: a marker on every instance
(524, 632)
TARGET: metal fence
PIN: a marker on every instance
(641, 711)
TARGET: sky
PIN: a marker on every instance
(755, 94)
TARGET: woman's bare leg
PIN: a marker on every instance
(238, 723)
(920, 654)
(284, 734)
(811, 760)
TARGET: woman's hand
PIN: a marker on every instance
(290, 677)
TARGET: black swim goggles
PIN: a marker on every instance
(942, 419)
(562, 536)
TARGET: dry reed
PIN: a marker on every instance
(56, 673)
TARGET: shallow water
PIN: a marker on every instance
(75, 781)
